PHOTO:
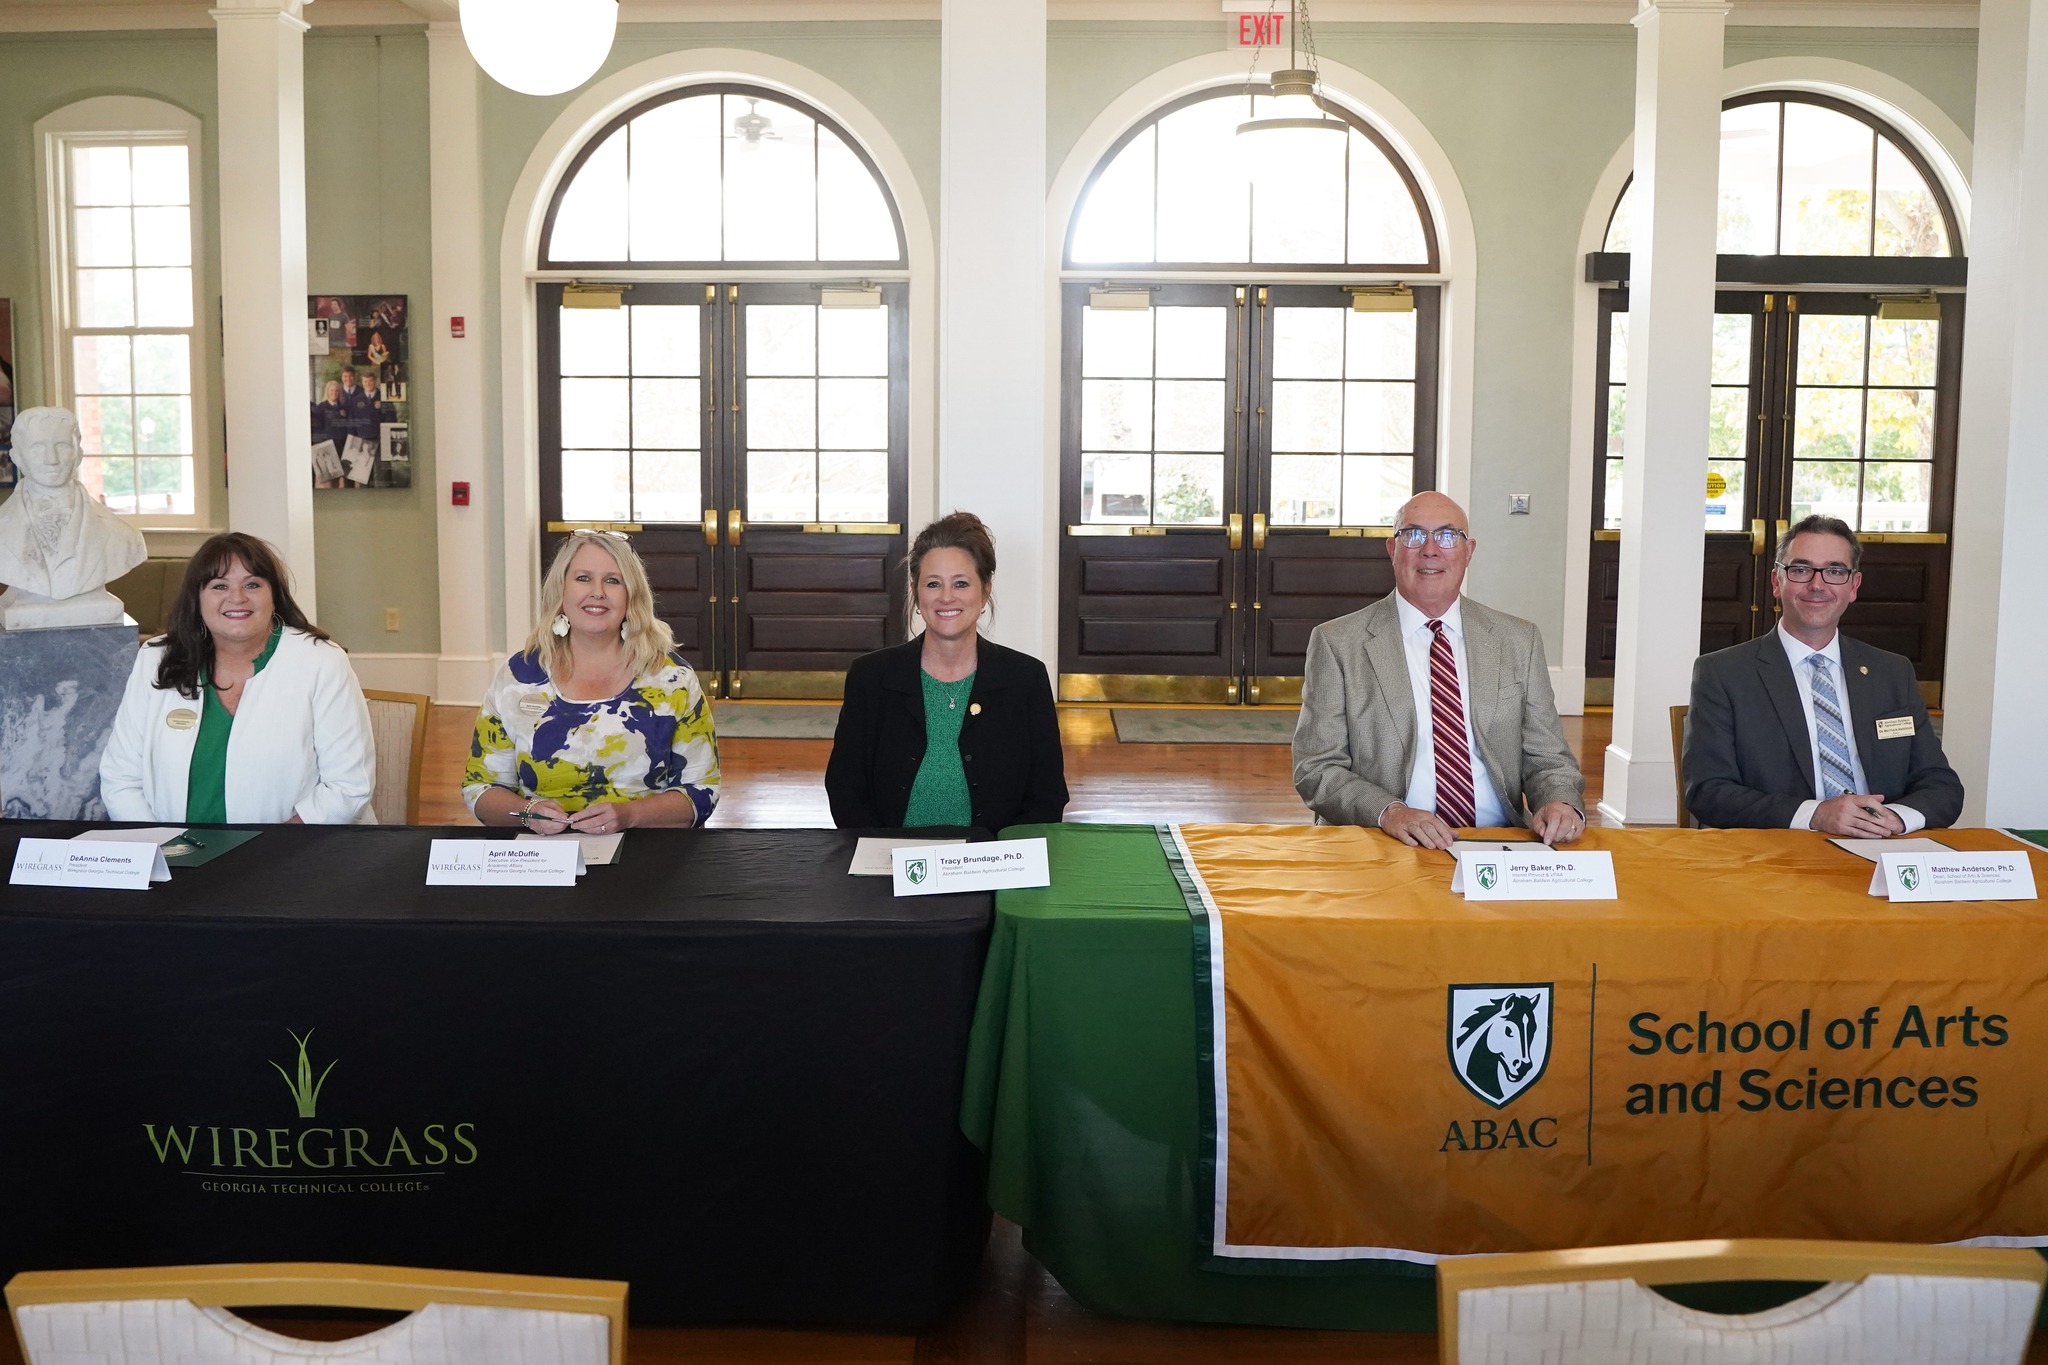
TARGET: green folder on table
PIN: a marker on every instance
(198, 847)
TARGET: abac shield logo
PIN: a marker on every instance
(1488, 874)
(1909, 876)
(1499, 1038)
(914, 872)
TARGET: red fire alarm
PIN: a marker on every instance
(457, 328)
(458, 491)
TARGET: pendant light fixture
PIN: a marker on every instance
(540, 47)
(1292, 128)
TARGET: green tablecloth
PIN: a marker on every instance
(1082, 1088)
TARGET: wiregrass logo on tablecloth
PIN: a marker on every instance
(373, 1158)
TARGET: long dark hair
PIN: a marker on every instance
(188, 644)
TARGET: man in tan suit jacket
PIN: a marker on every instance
(1360, 755)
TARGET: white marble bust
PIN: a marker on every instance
(59, 547)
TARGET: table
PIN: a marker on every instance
(1086, 1074)
(721, 1070)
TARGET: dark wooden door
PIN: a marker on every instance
(753, 445)
(1821, 403)
(1152, 493)
(1343, 432)
(1232, 459)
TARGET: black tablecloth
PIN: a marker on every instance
(721, 1070)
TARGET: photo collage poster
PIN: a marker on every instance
(6, 394)
(360, 360)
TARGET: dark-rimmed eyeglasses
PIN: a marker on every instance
(1800, 572)
(1446, 537)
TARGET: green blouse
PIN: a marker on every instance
(939, 796)
(206, 782)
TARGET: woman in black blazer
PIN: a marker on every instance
(947, 728)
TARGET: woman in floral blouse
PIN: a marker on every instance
(597, 725)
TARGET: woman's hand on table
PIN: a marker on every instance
(546, 817)
(606, 817)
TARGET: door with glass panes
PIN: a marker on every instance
(752, 443)
(1233, 456)
(1828, 403)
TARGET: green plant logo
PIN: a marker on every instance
(305, 1090)
(914, 871)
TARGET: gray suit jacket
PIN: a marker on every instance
(1354, 747)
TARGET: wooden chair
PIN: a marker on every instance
(155, 1316)
(1882, 1304)
(398, 725)
(1678, 714)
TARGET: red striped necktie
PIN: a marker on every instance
(1447, 731)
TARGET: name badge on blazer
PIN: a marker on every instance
(1895, 727)
(184, 718)
(534, 704)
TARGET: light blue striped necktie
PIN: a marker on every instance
(1837, 771)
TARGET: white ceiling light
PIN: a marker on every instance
(540, 47)
(1292, 129)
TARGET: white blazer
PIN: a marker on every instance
(301, 743)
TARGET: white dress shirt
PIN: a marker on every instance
(1416, 637)
(1798, 652)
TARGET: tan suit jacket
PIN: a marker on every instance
(1354, 747)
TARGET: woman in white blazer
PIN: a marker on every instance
(242, 711)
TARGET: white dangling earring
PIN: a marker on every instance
(561, 626)
(625, 632)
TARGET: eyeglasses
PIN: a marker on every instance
(1446, 537)
(1800, 572)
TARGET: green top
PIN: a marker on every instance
(939, 796)
(206, 782)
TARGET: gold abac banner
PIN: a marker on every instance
(1745, 1044)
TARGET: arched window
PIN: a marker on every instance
(749, 429)
(724, 174)
(1836, 363)
(1174, 194)
(1805, 175)
(1233, 452)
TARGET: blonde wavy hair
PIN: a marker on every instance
(646, 638)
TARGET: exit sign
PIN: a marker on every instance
(1257, 30)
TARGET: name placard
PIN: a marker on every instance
(494, 862)
(1541, 874)
(1948, 876)
(105, 864)
(934, 869)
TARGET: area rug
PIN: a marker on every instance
(1224, 725)
(773, 720)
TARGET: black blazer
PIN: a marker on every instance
(1010, 746)
(1749, 754)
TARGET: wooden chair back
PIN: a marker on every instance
(1948, 1303)
(316, 1284)
(398, 726)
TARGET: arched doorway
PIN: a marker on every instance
(1249, 390)
(726, 379)
(1837, 361)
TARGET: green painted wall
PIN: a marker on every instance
(367, 232)
(41, 73)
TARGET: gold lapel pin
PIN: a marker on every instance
(1864, 668)
(974, 708)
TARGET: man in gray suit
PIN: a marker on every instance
(1805, 728)
(1426, 713)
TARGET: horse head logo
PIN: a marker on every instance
(1499, 1038)
(1909, 876)
(914, 871)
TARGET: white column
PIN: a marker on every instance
(1996, 729)
(1670, 365)
(992, 453)
(261, 76)
(455, 204)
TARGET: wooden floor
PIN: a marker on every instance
(1017, 1314)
